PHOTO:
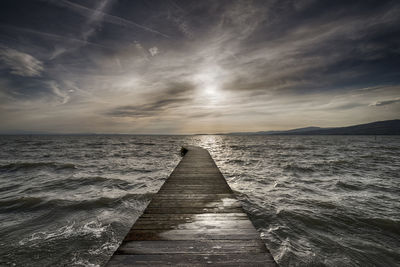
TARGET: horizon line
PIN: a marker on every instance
(21, 132)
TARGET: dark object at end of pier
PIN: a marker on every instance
(183, 151)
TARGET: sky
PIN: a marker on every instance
(176, 67)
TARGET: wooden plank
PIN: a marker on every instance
(194, 220)
(238, 259)
(183, 181)
(190, 217)
(204, 224)
(208, 176)
(191, 247)
(192, 196)
(194, 191)
(223, 188)
(208, 234)
(195, 210)
(194, 204)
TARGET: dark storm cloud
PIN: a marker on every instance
(321, 46)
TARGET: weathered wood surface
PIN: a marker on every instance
(194, 220)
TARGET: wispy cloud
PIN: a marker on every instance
(56, 37)
(315, 55)
(385, 102)
(95, 19)
(147, 110)
(159, 103)
(20, 63)
(61, 95)
(153, 51)
(85, 11)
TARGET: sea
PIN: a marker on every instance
(316, 200)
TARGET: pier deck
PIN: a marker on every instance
(194, 220)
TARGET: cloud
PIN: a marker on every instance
(106, 17)
(160, 103)
(51, 36)
(147, 110)
(95, 19)
(153, 51)
(182, 25)
(21, 63)
(385, 103)
(61, 96)
(244, 64)
(87, 31)
(317, 53)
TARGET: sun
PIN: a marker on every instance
(208, 81)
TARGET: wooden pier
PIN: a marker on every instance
(194, 220)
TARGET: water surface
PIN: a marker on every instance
(317, 200)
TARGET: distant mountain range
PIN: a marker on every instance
(390, 127)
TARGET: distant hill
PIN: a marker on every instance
(298, 130)
(390, 127)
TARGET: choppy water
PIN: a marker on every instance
(318, 200)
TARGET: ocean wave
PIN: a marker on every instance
(297, 168)
(339, 163)
(306, 217)
(235, 161)
(96, 144)
(93, 228)
(300, 147)
(143, 144)
(77, 186)
(32, 203)
(18, 166)
(20, 203)
(101, 202)
(75, 183)
(318, 204)
(385, 224)
(83, 262)
(62, 232)
(140, 170)
(41, 143)
(348, 186)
